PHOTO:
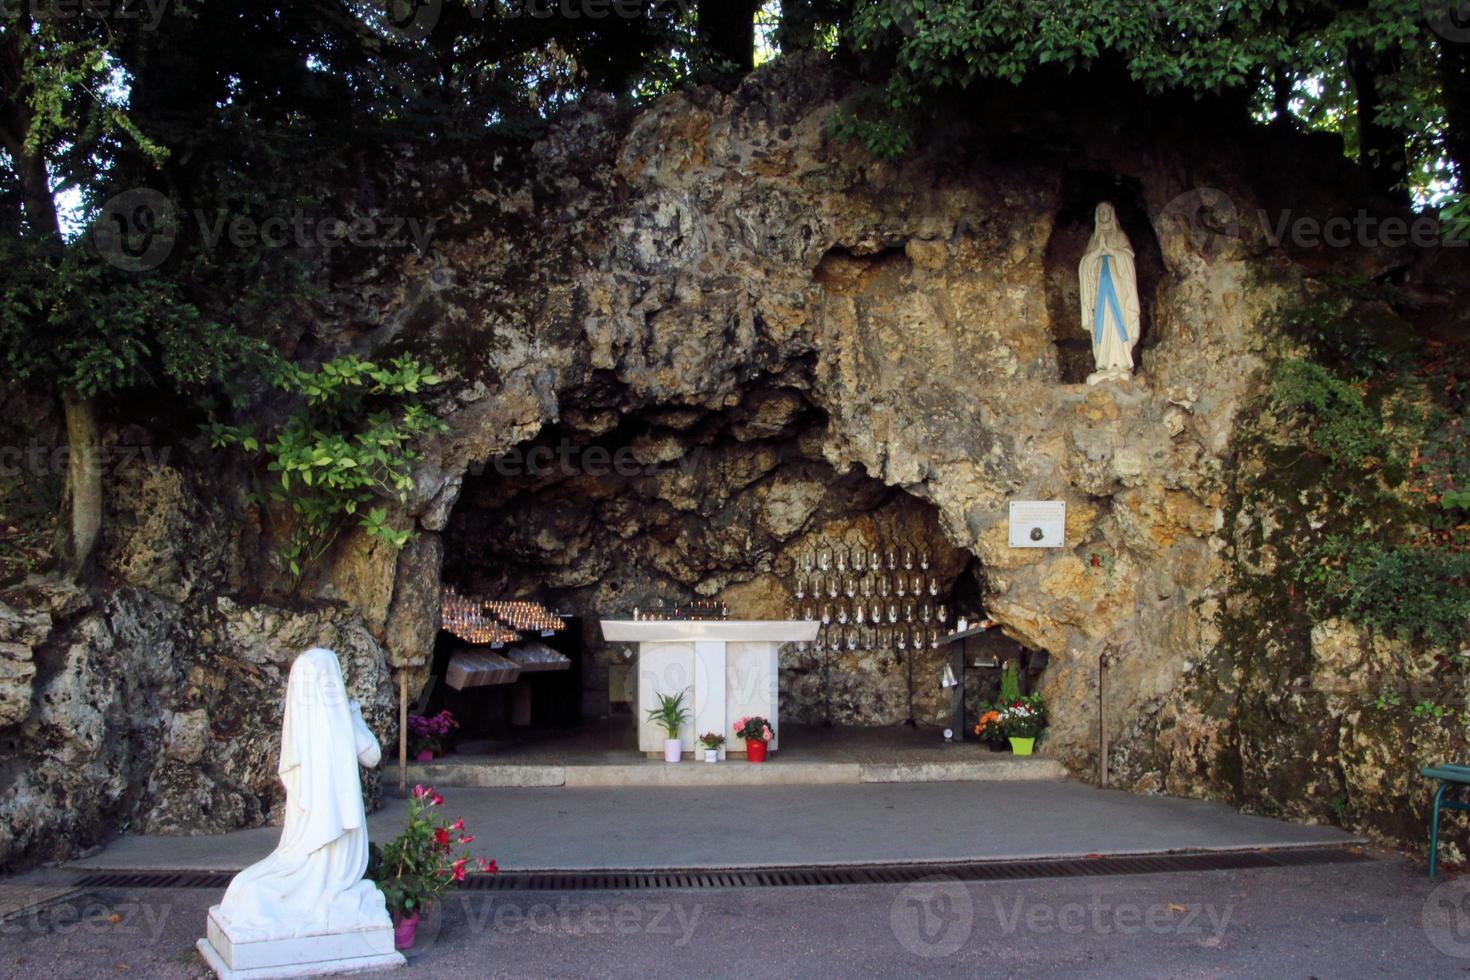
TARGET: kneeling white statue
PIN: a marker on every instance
(305, 909)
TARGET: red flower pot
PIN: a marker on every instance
(404, 930)
(755, 750)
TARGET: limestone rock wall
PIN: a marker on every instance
(714, 256)
(141, 714)
(682, 504)
(719, 243)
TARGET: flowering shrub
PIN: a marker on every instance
(711, 740)
(416, 867)
(991, 726)
(754, 729)
(1024, 717)
(429, 732)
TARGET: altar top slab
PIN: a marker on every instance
(719, 630)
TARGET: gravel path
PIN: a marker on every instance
(1380, 918)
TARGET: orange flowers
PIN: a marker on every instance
(988, 720)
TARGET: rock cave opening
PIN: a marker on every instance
(1080, 194)
(608, 512)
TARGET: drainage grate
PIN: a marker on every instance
(1140, 864)
(155, 879)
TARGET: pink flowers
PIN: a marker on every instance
(754, 728)
(428, 796)
(432, 727)
(429, 733)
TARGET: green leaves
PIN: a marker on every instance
(1405, 591)
(917, 50)
(345, 448)
(1455, 499)
(1338, 421)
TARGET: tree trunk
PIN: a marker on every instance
(1281, 93)
(1382, 150)
(1454, 80)
(81, 502)
(727, 28)
(80, 520)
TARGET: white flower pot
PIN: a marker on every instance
(673, 750)
(711, 755)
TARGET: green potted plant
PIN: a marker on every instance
(670, 715)
(413, 869)
(1023, 720)
(711, 742)
(756, 732)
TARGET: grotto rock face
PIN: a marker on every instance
(680, 503)
(855, 348)
(718, 245)
(162, 717)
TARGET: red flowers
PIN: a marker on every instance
(418, 865)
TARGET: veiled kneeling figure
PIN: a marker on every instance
(312, 885)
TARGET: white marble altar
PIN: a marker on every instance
(729, 667)
(305, 910)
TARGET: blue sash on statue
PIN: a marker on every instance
(1107, 299)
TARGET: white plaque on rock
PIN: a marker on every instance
(1038, 523)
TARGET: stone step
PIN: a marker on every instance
(729, 773)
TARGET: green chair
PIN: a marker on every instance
(1449, 777)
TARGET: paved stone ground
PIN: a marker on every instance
(1376, 919)
(533, 829)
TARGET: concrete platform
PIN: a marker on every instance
(567, 828)
(730, 772)
(605, 753)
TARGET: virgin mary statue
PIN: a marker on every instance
(312, 883)
(1109, 298)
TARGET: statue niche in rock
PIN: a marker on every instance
(1110, 311)
(306, 908)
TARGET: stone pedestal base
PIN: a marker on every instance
(301, 956)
